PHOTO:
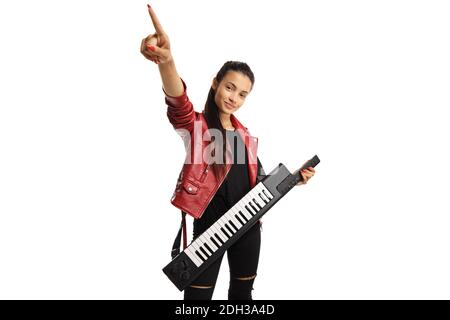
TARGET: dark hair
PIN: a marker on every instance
(212, 111)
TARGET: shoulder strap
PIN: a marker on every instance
(177, 242)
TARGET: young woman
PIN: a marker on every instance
(207, 189)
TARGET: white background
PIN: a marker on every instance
(89, 161)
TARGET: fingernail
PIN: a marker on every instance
(152, 48)
(148, 6)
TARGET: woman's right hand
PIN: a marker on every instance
(156, 46)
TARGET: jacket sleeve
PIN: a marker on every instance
(180, 111)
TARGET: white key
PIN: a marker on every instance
(214, 229)
(257, 190)
(231, 217)
(244, 212)
(197, 248)
(253, 205)
(211, 244)
(259, 201)
(202, 245)
(218, 227)
(263, 196)
(191, 254)
(219, 232)
(208, 242)
(267, 193)
(235, 212)
(225, 221)
(247, 200)
(222, 225)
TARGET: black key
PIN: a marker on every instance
(250, 211)
(209, 249)
(214, 241)
(243, 216)
(219, 238)
(263, 199)
(225, 233)
(238, 219)
(257, 204)
(265, 193)
(200, 256)
(228, 227)
(253, 207)
(204, 252)
(233, 225)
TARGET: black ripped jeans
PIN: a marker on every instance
(243, 258)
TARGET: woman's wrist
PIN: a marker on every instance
(169, 62)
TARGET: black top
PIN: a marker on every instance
(235, 185)
(237, 182)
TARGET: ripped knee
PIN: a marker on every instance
(201, 287)
(241, 288)
(247, 278)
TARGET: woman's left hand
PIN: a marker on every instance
(307, 174)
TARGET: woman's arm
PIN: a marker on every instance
(171, 80)
(156, 47)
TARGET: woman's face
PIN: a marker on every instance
(231, 91)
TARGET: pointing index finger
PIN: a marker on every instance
(156, 23)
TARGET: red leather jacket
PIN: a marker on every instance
(197, 183)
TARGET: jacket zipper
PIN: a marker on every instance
(205, 172)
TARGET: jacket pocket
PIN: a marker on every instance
(190, 187)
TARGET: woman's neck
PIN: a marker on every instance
(226, 121)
